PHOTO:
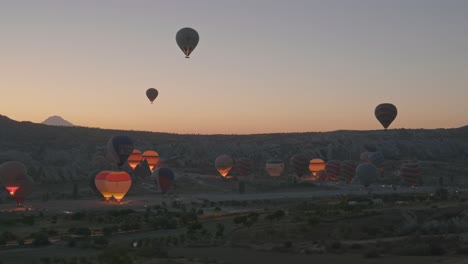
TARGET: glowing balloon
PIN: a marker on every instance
(119, 148)
(386, 113)
(164, 179)
(223, 164)
(113, 184)
(152, 157)
(152, 93)
(12, 174)
(366, 174)
(244, 166)
(410, 172)
(101, 184)
(300, 164)
(135, 158)
(187, 39)
(332, 168)
(316, 165)
(274, 167)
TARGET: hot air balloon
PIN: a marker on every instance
(113, 183)
(274, 167)
(364, 157)
(119, 148)
(316, 165)
(300, 163)
(152, 93)
(164, 178)
(135, 158)
(348, 170)
(12, 174)
(376, 158)
(366, 174)
(244, 166)
(152, 157)
(23, 191)
(187, 39)
(223, 164)
(410, 172)
(321, 175)
(332, 168)
(386, 113)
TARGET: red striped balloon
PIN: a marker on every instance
(348, 170)
(244, 166)
(321, 175)
(386, 113)
(332, 169)
(411, 172)
(300, 164)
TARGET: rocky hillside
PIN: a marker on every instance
(56, 154)
(56, 121)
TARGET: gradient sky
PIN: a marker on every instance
(260, 66)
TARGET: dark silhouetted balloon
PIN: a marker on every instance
(332, 168)
(223, 164)
(187, 39)
(366, 174)
(164, 179)
(321, 175)
(348, 170)
(274, 167)
(410, 172)
(12, 174)
(25, 189)
(300, 164)
(376, 158)
(244, 166)
(119, 148)
(152, 93)
(386, 113)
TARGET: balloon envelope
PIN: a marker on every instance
(113, 183)
(348, 170)
(274, 167)
(12, 175)
(187, 39)
(164, 178)
(385, 113)
(300, 164)
(244, 166)
(152, 157)
(135, 158)
(25, 189)
(316, 165)
(152, 93)
(332, 169)
(223, 164)
(366, 174)
(119, 148)
(410, 172)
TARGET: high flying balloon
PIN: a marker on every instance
(152, 93)
(187, 39)
(386, 113)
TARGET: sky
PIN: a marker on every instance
(261, 66)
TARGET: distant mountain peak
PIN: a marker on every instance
(56, 121)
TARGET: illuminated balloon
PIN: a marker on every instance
(348, 170)
(152, 93)
(274, 167)
(12, 174)
(385, 113)
(113, 184)
(119, 148)
(23, 191)
(135, 158)
(411, 172)
(187, 39)
(300, 164)
(244, 166)
(223, 164)
(332, 169)
(366, 174)
(316, 165)
(152, 157)
(164, 179)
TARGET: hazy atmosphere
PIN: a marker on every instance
(260, 66)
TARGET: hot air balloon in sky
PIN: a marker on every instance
(164, 178)
(135, 158)
(300, 164)
(332, 169)
(274, 167)
(113, 184)
(366, 174)
(244, 166)
(152, 93)
(119, 148)
(223, 164)
(316, 165)
(386, 113)
(410, 172)
(187, 39)
(152, 157)
(12, 174)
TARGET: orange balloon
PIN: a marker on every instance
(152, 157)
(316, 165)
(113, 184)
(135, 158)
